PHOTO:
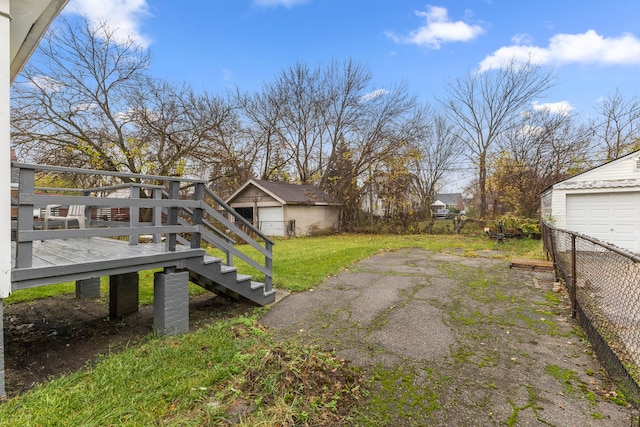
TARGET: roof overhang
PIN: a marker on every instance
(29, 21)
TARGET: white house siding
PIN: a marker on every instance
(603, 203)
(252, 196)
(546, 209)
(309, 217)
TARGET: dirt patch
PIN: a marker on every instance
(53, 336)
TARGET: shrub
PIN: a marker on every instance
(526, 226)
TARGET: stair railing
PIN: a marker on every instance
(221, 239)
(173, 226)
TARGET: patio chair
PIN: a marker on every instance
(75, 212)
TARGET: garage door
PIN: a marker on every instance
(610, 217)
(271, 221)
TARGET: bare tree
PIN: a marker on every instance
(181, 132)
(439, 151)
(70, 104)
(298, 89)
(344, 87)
(327, 126)
(86, 100)
(618, 126)
(385, 134)
(485, 105)
(546, 147)
(261, 117)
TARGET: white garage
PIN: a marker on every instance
(610, 217)
(271, 221)
(603, 203)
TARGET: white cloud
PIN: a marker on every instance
(522, 39)
(438, 29)
(84, 107)
(275, 3)
(373, 95)
(561, 107)
(47, 83)
(123, 15)
(587, 48)
(528, 131)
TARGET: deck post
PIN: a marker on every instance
(172, 215)
(88, 288)
(123, 294)
(170, 302)
(26, 186)
(157, 215)
(198, 194)
(134, 215)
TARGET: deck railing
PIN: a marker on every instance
(160, 208)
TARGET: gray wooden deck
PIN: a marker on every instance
(62, 260)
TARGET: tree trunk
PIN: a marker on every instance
(482, 184)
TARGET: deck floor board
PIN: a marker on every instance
(71, 258)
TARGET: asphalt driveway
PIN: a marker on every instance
(451, 340)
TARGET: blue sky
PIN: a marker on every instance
(593, 46)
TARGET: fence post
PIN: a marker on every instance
(574, 279)
(552, 250)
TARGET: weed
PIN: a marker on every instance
(531, 404)
(564, 375)
(553, 298)
(400, 397)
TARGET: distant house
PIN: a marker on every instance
(280, 209)
(448, 201)
(603, 202)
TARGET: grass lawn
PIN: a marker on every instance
(201, 378)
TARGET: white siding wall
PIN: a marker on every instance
(546, 209)
(621, 175)
(623, 168)
(306, 217)
(614, 185)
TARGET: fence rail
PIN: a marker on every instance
(603, 283)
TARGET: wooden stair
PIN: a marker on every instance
(531, 264)
(211, 274)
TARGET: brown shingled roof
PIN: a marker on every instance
(292, 194)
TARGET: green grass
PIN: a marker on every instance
(302, 263)
(196, 378)
(145, 294)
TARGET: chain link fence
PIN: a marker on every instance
(603, 282)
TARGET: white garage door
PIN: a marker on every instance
(610, 217)
(271, 221)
